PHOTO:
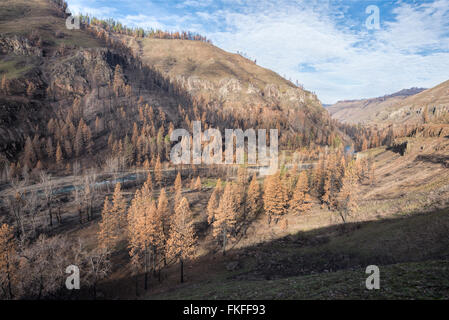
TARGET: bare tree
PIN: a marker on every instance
(98, 267)
(112, 167)
(16, 204)
(89, 192)
(47, 187)
(78, 199)
(32, 206)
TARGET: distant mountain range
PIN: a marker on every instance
(406, 105)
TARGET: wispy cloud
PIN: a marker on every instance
(323, 44)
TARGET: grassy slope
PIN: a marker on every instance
(422, 280)
(193, 58)
(21, 17)
(411, 252)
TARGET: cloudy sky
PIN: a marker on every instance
(324, 44)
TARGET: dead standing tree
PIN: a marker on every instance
(16, 204)
(89, 192)
(48, 189)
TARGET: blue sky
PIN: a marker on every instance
(324, 44)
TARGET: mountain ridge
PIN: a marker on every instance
(407, 105)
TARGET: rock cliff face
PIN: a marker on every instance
(75, 74)
(19, 46)
(232, 91)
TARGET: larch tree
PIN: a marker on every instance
(275, 198)
(326, 197)
(346, 202)
(7, 256)
(242, 175)
(163, 216)
(59, 156)
(107, 234)
(253, 199)
(182, 241)
(300, 201)
(138, 236)
(227, 216)
(119, 206)
(145, 232)
(212, 206)
(178, 189)
(158, 176)
(198, 185)
(213, 203)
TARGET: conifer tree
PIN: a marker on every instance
(178, 189)
(275, 198)
(346, 200)
(327, 189)
(253, 198)
(59, 156)
(300, 201)
(158, 172)
(198, 185)
(163, 215)
(182, 241)
(226, 217)
(144, 231)
(107, 235)
(119, 207)
(242, 176)
(212, 206)
(7, 254)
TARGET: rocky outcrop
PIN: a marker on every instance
(232, 90)
(19, 46)
(75, 75)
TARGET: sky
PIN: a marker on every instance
(338, 49)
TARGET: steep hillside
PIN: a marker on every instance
(367, 110)
(102, 85)
(207, 70)
(54, 79)
(233, 83)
